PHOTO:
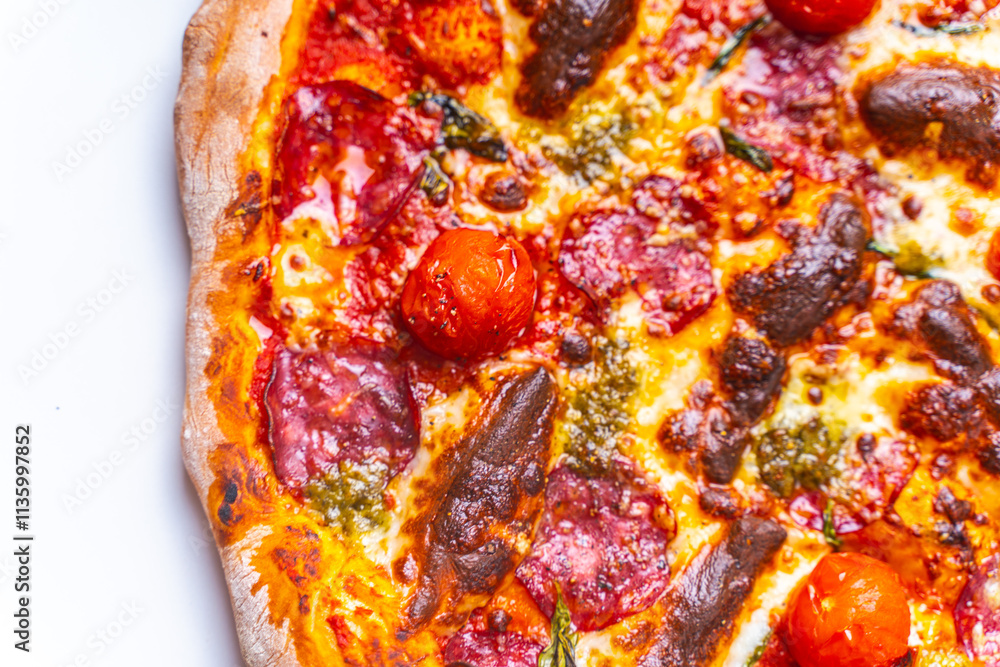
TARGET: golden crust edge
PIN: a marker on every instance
(231, 50)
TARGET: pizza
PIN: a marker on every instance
(597, 332)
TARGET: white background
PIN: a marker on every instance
(119, 538)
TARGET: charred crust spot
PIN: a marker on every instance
(782, 192)
(300, 560)
(944, 106)
(250, 203)
(942, 466)
(788, 300)
(988, 388)
(939, 321)
(679, 432)
(722, 448)
(711, 436)
(942, 412)
(751, 373)
(576, 348)
(989, 454)
(503, 192)
(574, 38)
(533, 481)
(951, 507)
(720, 502)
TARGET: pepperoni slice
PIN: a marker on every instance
(339, 405)
(348, 158)
(786, 101)
(488, 648)
(613, 254)
(603, 541)
(977, 613)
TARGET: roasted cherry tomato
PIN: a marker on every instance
(471, 294)
(850, 611)
(821, 17)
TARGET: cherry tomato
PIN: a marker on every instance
(851, 611)
(993, 255)
(472, 293)
(821, 17)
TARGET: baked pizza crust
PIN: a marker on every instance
(231, 50)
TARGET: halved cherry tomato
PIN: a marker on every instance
(471, 294)
(821, 17)
(850, 611)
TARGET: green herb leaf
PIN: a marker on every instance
(909, 258)
(945, 28)
(434, 182)
(960, 28)
(758, 652)
(464, 128)
(829, 530)
(739, 148)
(561, 651)
(875, 245)
(731, 46)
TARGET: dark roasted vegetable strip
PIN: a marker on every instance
(699, 611)
(473, 532)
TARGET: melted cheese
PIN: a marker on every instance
(307, 275)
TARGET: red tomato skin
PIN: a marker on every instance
(851, 611)
(821, 17)
(470, 295)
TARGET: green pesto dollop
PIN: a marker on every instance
(797, 458)
(352, 497)
(599, 412)
(592, 139)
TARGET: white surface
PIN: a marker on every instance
(139, 538)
